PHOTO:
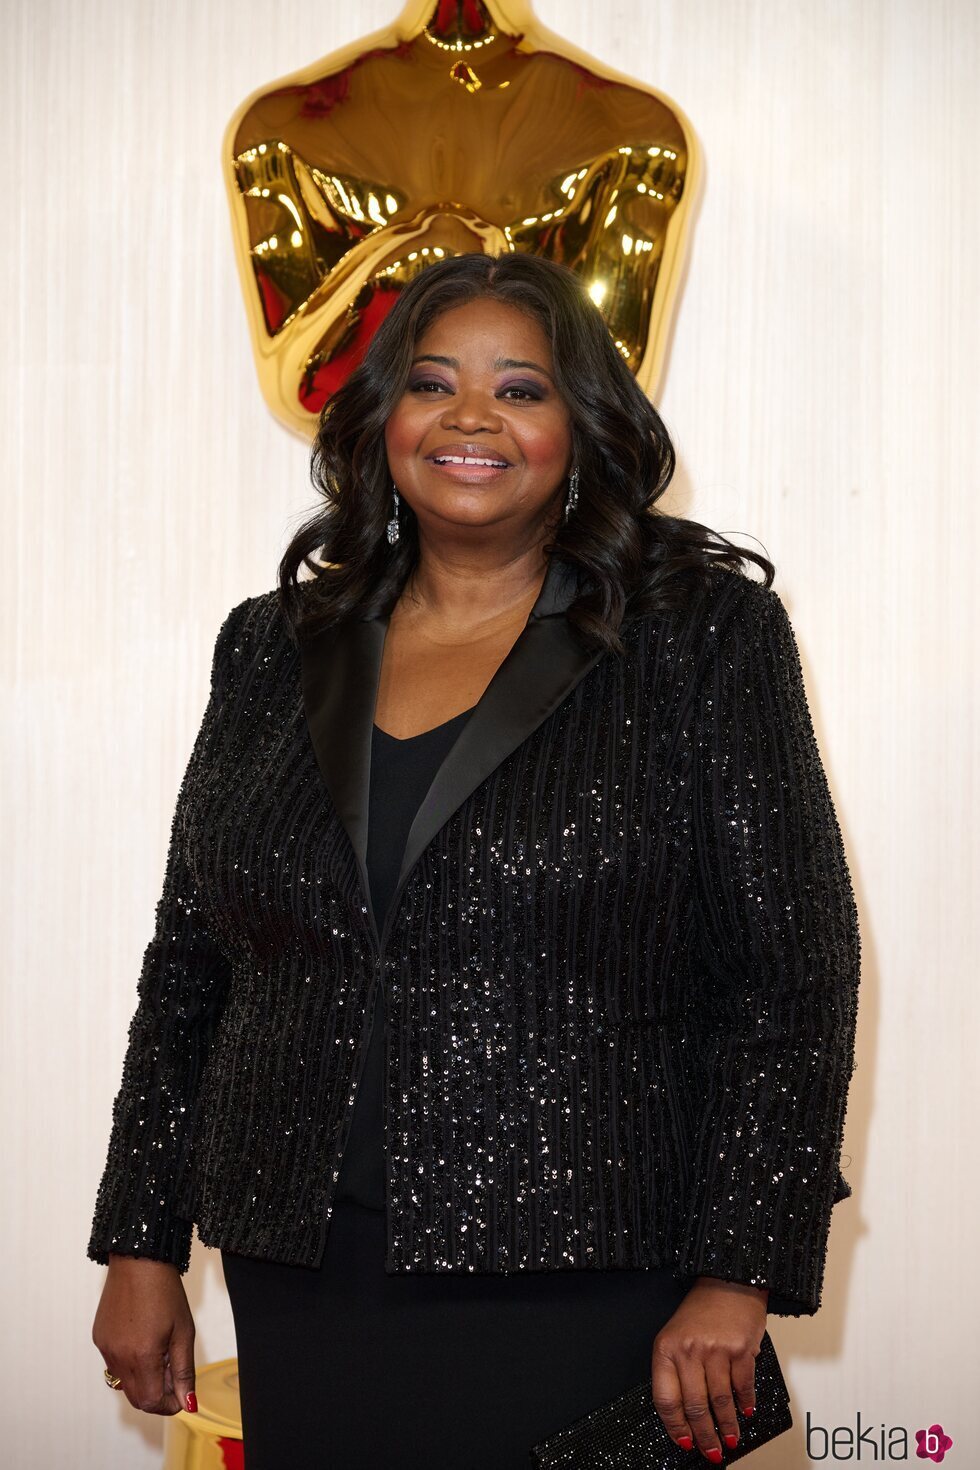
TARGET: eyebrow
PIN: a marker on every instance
(500, 362)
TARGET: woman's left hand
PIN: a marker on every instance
(704, 1363)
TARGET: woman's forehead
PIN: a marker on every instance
(484, 318)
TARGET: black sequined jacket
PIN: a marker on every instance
(620, 970)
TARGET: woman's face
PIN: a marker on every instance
(481, 388)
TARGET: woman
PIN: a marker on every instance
(510, 827)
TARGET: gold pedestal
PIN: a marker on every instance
(211, 1439)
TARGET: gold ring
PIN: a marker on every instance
(111, 1378)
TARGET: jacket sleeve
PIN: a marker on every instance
(781, 957)
(181, 991)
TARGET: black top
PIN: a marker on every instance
(401, 773)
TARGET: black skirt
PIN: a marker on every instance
(344, 1367)
(347, 1368)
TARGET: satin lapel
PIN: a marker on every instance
(341, 670)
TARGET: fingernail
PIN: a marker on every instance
(749, 1410)
(192, 1403)
(714, 1455)
(731, 1440)
(686, 1442)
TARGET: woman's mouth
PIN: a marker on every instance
(469, 469)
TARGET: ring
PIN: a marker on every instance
(111, 1378)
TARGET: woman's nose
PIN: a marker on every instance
(470, 411)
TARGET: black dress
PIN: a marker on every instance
(345, 1366)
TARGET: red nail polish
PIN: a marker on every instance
(731, 1440)
(714, 1455)
(749, 1410)
(192, 1403)
(686, 1442)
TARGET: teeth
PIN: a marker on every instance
(465, 459)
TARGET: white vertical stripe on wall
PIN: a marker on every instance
(822, 390)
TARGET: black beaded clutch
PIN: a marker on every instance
(628, 1434)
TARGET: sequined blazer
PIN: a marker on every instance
(619, 971)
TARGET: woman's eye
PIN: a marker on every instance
(526, 394)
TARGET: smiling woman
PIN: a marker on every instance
(514, 429)
(498, 1022)
(508, 358)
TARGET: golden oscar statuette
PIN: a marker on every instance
(464, 126)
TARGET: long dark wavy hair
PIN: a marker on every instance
(635, 558)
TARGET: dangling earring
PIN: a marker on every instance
(571, 500)
(393, 526)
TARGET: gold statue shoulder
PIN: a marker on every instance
(465, 126)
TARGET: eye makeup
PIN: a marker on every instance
(534, 392)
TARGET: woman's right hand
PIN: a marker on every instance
(145, 1332)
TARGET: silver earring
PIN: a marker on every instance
(393, 526)
(571, 500)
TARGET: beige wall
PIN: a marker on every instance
(822, 389)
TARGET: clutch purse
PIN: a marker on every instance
(628, 1434)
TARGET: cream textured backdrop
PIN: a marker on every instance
(822, 388)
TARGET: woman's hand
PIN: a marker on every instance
(144, 1330)
(704, 1363)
